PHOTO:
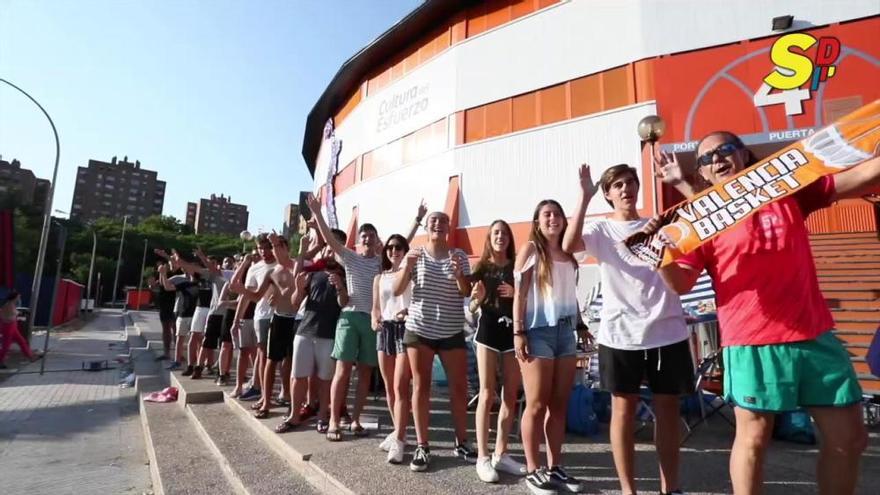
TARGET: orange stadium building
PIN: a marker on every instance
(483, 109)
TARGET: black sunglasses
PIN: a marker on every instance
(724, 150)
(394, 247)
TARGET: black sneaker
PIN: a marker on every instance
(223, 380)
(421, 458)
(539, 482)
(563, 481)
(189, 371)
(464, 452)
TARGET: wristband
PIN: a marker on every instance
(519, 333)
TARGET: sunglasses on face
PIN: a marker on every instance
(723, 150)
(394, 247)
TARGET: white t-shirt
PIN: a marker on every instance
(639, 311)
(390, 304)
(255, 276)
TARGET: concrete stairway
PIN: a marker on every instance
(848, 266)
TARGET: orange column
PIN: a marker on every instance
(351, 233)
(451, 208)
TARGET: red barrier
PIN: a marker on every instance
(135, 299)
(67, 302)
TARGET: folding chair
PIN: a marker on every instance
(709, 385)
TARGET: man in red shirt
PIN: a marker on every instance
(779, 352)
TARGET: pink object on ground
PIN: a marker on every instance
(169, 394)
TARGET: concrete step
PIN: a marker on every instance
(250, 465)
(202, 391)
(180, 462)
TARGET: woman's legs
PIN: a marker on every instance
(10, 335)
(455, 364)
(421, 361)
(402, 377)
(557, 407)
(387, 369)
(487, 362)
(244, 358)
(512, 377)
(538, 383)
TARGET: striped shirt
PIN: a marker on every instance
(437, 308)
(360, 272)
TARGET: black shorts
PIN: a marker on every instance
(226, 331)
(262, 327)
(494, 331)
(281, 332)
(412, 339)
(213, 329)
(167, 315)
(668, 369)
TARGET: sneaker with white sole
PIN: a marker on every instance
(386, 444)
(539, 482)
(563, 481)
(465, 452)
(421, 459)
(506, 464)
(395, 452)
(485, 471)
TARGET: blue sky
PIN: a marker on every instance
(211, 94)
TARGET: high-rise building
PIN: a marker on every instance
(218, 215)
(293, 221)
(191, 209)
(116, 189)
(20, 187)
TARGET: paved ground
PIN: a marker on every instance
(72, 431)
(360, 466)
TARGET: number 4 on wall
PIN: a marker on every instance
(792, 98)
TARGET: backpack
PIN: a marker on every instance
(580, 417)
(794, 426)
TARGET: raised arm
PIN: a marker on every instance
(185, 265)
(237, 281)
(163, 278)
(280, 250)
(404, 276)
(668, 170)
(857, 181)
(573, 241)
(323, 228)
(338, 281)
(678, 278)
(420, 214)
(212, 268)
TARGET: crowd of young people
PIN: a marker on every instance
(331, 312)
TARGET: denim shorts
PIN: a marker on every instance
(554, 341)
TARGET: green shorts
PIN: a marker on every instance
(355, 339)
(784, 377)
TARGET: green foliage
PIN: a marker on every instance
(165, 232)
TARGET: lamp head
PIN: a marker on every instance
(651, 128)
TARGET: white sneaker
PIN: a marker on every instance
(506, 464)
(485, 471)
(386, 444)
(395, 451)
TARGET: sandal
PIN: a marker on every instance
(257, 405)
(286, 426)
(323, 426)
(358, 430)
(334, 435)
(261, 414)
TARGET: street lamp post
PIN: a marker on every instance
(47, 215)
(245, 236)
(119, 258)
(141, 282)
(91, 267)
(650, 129)
(62, 237)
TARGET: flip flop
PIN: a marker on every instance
(358, 430)
(257, 405)
(334, 435)
(261, 414)
(286, 426)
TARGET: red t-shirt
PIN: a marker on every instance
(765, 279)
